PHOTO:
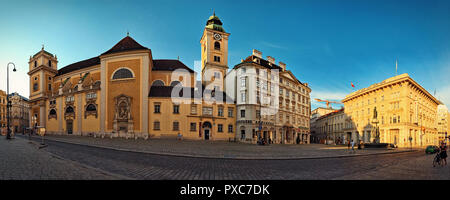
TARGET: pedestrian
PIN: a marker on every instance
(348, 144)
(444, 153)
(353, 146)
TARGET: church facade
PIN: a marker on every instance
(125, 92)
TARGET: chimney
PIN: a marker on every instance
(270, 59)
(257, 53)
(282, 65)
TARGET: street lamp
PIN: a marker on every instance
(8, 105)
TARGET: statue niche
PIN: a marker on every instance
(123, 122)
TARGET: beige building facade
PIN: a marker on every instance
(20, 109)
(329, 128)
(272, 104)
(316, 135)
(406, 113)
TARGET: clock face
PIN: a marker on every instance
(217, 36)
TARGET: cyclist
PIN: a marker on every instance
(437, 159)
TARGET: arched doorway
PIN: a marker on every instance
(207, 130)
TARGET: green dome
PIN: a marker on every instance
(214, 23)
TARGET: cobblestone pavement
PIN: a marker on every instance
(407, 165)
(218, 149)
(21, 160)
(419, 168)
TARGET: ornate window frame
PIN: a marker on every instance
(50, 116)
(67, 115)
(90, 112)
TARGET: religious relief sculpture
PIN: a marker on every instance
(123, 122)
(123, 111)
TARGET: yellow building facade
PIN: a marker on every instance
(3, 114)
(406, 113)
(124, 92)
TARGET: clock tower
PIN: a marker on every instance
(43, 67)
(214, 44)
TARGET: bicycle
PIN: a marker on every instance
(437, 159)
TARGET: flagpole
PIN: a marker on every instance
(396, 67)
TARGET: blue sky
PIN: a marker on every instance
(327, 44)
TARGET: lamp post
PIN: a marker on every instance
(8, 105)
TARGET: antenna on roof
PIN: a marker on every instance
(178, 57)
(128, 33)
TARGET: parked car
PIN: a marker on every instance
(431, 149)
(393, 145)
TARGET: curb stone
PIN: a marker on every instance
(229, 157)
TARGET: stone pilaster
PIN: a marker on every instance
(79, 113)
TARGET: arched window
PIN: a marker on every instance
(50, 63)
(69, 109)
(216, 45)
(91, 107)
(122, 73)
(52, 112)
(176, 83)
(158, 83)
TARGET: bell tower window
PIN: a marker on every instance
(216, 58)
(35, 87)
(50, 63)
(35, 63)
(217, 46)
